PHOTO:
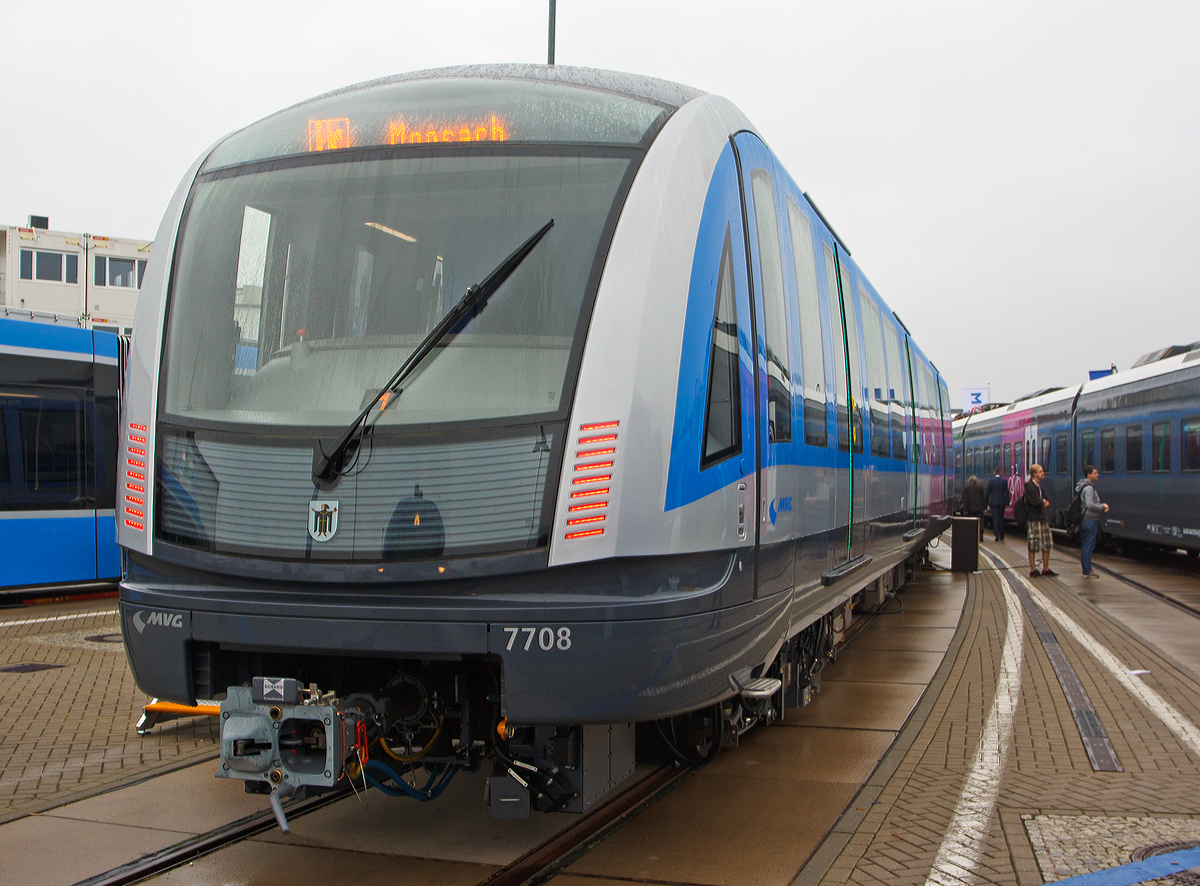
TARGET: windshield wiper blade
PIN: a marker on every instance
(328, 465)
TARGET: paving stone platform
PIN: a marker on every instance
(1054, 816)
(68, 706)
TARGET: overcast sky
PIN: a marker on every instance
(1021, 181)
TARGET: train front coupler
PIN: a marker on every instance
(288, 741)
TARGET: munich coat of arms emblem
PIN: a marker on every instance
(322, 519)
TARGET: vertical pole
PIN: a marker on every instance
(550, 53)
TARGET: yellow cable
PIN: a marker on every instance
(410, 757)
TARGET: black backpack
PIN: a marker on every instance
(1019, 516)
(1073, 515)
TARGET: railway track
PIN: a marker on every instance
(535, 866)
(1146, 589)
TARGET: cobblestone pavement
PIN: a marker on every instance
(67, 730)
(1054, 816)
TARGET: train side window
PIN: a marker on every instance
(1045, 462)
(1160, 447)
(723, 412)
(1060, 454)
(53, 453)
(775, 328)
(854, 353)
(877, 381)
(5, 470)
(935, 443)
(1008, 462)
(1087, 448)
(897, 392)
(1133, 449)
(1191, 444)
(1108, 451)
(839, 352)
(812, 344)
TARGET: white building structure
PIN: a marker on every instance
(83, 279)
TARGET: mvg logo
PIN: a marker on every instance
(160, 619)
(780, 505)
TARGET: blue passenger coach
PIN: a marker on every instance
(58, 455)
(1140, 429)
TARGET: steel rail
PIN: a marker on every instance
(535, 866)
(546, 861)
(1146, 589)
(202, 844)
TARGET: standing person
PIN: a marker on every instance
(997, 500)
(974, 500)
(1037, 529)
(1093, 510)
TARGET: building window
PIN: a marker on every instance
(1133, 449)
(126, 273)
(1191, 444)
(1108, 451)
(1160, 447)
(52, 267)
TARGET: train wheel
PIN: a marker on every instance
(694, 739)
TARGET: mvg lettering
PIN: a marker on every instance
(159, 619)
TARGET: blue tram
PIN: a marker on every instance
(58, 457)
(481, 413)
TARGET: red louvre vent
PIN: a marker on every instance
(596, 451)
(134, 515)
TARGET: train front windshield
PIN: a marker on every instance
(298, 291)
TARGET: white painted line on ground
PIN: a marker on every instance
(46, 618)
(1183, 728)
(962, 847)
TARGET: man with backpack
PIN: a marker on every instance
(1037, 530)
(997, 500)
(1093, 510)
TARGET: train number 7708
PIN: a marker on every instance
(547, 638)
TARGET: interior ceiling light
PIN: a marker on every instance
(377, 226)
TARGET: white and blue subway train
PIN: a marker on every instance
(380, 520)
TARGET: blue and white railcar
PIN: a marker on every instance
(1139, 428)
(684, 432)
(58, 452)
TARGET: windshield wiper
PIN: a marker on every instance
(328, 465)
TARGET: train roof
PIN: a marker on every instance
(1162, 366)
(1164, 353)
(470, 103)
(663, 92)
(1050, 395)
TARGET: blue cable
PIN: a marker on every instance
(439, 779)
